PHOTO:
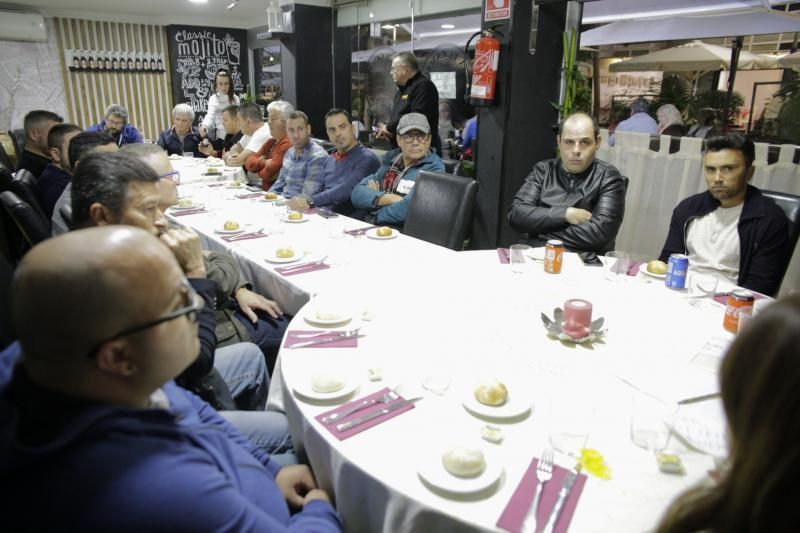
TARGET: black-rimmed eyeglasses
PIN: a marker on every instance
(192, 303)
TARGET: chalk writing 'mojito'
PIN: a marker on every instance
(206, 44)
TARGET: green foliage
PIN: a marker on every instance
(675, 91)
(571, 74)
(714, 100)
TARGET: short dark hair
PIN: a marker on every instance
(640, 105)
(408, 59)
(338, 111)
(85, 142)
(35, 118)
(297, 114)
(55, 138)
(595, 125)
(733, 141)
(103, 178)
(251, 111)
(232, 109)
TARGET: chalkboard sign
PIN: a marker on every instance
(195, 53)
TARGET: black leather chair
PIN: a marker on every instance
(790, 203)
(450, 165)
(24, 186)
(440, 210)
(66, 214)
(6, 275)
(26, 221)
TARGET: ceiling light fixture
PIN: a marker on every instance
(448, 26)
(199, 1)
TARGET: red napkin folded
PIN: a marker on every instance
(342, 435)
(522, 499)
(633, 268)
(298, 336)
(502, 254)
(289, 271)
(188, 212)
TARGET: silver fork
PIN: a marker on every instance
(544, 471)
(325, 340)
(246, 235)
(305, 265)
(386, 398)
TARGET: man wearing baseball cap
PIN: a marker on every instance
(383, 197)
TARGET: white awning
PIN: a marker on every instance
(694, 56)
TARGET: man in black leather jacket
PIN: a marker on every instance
(577, 199)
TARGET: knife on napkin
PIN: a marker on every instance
(333, 338)
(566, 488)
(344, 426)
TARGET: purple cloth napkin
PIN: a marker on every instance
(250, 195)
(186, 212)
(502, 254)
(522, 499)
(312, 211)
(244, 237)
(219, 184)
(342, 435)
(289, 271)
(360, 231)
(723, 298)
(633, 268)
(302, 335)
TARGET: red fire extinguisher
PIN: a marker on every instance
(484, 70)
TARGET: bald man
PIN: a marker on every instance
(95, 434)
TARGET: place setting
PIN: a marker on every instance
(187, 206)
(382, 233)
(288, 254)
(468, 468)
(354, 417)
(497, 399)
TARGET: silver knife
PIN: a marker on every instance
(344, 426)
(566, 488)
(324, 341)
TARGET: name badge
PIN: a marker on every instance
(405, 186)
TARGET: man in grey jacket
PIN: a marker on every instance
(576, 198)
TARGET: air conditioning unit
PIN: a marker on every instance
(16, 26)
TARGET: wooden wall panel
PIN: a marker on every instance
(145, 94)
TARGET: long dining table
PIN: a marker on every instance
(434, 323)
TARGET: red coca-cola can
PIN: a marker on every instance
(737, 299)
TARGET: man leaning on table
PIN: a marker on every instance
(731, 231)
(575, 198)
(304, 163)
(95, 433)
(385, 195)
(256, 133)
(346, 167)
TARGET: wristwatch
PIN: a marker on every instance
(310, 201)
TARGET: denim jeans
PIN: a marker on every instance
(266, 430)
(267, 333)
(243, 368)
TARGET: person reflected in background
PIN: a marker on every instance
(640, 121)
(670, 121)
(759, 379)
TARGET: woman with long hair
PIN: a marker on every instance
(760, 387)
(670, 121)
(212, 125)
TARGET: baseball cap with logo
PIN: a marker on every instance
(413, 121)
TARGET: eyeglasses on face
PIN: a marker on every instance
(192, 303)
(175, 175)
(414, 136)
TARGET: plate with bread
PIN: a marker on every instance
(284, 254)
(463, 468)
(187, 203)
(654, 269)
(326, 386)
(327, 316)
(382, 233)
(493, 398)
(230, 227)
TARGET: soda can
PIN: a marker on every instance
(553, 256)
(737, 299)
(677, 268)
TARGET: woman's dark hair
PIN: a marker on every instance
(759, 382)
(224, 72)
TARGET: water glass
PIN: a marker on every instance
(616, 266)
(701, 285)
(651, 421)
(518, 257)
(570, 422)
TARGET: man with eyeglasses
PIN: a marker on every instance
(115, 123)
(385, 195)
(575, 198)
(731, 231)
(96, 434)
(415, 94)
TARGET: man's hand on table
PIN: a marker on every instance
(298, 203)
(576, 215)
(250, 302)
(185, 246)
(297, 484)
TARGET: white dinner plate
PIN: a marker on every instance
(310, 317)
(223, 231)
(643, 270)
(432, 470)
(373, 234)
(195, 205)
(518, 403)
(307, 391)
(304, 219)
(234, 186)
(263, 199)
(175, 157)
(272, 258)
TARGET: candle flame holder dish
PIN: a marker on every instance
(554, 327)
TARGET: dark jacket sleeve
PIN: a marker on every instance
(526, 215)
(162, 140)
(223, 269)
(674, 243)
(607, 215)
(770, 256)
(205, 331)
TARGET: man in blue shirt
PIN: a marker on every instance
(304, 163)
(115, 123)
(639, 121)
(346, 167)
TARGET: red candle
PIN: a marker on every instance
(577, 316)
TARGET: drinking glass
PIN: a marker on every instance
(570, 421)
(701, 285)
(616, 266)
(651, 421)
(745, 314)
(518, 258)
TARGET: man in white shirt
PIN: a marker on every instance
(731, 231)
(256, 133)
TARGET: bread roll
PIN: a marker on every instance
(328, 314)
(657, 267)
(464, 462)
(185, 202)
(326, 383)
(492, 393)
(231, 225)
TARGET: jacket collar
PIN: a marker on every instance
(753, 206)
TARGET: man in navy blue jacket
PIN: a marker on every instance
(182, 137)
(92, 428)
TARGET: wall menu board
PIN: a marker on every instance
(195, 54)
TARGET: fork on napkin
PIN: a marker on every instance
(360, 231)
(245, 196)
(189, 212)
(331, 338)
(245, 236)
(302, 268)
(377, 406)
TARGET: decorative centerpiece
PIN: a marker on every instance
(574, 323)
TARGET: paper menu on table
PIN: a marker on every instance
(709, 357)
(703, 426)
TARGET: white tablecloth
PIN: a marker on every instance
(428, 312)
(192, 169)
